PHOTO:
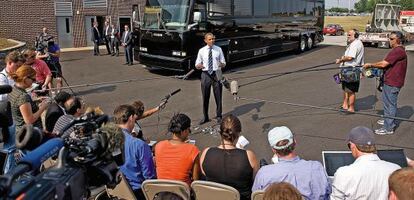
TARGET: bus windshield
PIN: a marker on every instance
(166, 14)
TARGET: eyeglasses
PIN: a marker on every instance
(393, 38)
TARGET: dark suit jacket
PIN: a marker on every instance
(95, 35)
(109, 32)
(53, 113)
(128, 39)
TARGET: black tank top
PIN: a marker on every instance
(230, 167)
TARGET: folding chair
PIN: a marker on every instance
(152, 187)
(258, 195)
(122, 191)
(207, 190)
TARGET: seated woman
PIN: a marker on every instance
(227, 164)
(24, 110)
(174, 158)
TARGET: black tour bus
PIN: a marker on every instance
(172, 31)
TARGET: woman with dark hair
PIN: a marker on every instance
(176, 159)
(227, 164)
(24, 110)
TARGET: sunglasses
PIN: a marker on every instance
(349, 145)
(393, 38)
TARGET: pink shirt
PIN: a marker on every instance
(42, 70)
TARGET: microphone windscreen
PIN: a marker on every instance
(4, 89)
(234, 87)
(36, 157)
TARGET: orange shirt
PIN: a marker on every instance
(175, 161)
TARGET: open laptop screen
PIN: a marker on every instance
(332, 160)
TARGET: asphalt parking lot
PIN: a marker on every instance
(316, 130)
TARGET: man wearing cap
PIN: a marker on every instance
(367, 177)
(309, 177)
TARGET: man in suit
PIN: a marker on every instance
(96, 37)
(114, 35)
(107, 38)
(210, 58)
(127, 44)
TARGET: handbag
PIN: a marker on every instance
(350, 74)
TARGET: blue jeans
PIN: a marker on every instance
(10, 147)
(389, 98)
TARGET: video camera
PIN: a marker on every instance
(42, 43)
(88, 157)
(5, 113)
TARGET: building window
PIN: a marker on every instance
(95, 3)
(67, 25)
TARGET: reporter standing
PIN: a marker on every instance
(395, 66)
(210, 58)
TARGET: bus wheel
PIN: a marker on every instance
(309, 43)
(302, 44)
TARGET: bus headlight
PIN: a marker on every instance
(179, 53)
(144, 49)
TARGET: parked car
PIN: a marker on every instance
(333, 29)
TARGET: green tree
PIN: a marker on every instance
(407, 4)
(361, 6)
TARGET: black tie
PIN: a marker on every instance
(210, 61)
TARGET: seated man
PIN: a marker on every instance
(309, 177)
(401, 184)
(74, 108)
(139, 164)
(367, 177)
(55, 110)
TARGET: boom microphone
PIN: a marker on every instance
(172, 94)
(5, 89)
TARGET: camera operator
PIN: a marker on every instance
(139, 164)
(43, 74)
(42, 39)
(13, 61)
(74, 108)
(51, 57)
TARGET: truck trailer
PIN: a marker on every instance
(172, 31)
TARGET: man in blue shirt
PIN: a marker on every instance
(309, 177)
(139, 164)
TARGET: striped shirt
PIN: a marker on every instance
(366, 178)
(62, 122)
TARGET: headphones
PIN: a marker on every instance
(356, 33)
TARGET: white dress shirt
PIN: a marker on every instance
(365, 179)
(5, 80)
(218, 57)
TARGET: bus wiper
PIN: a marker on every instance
(161, 21)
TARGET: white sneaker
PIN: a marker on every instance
(380, 122)
(383, 131)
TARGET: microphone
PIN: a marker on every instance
(172, 94)
(5, 89)
(234, 89)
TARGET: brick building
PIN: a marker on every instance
(70, 21)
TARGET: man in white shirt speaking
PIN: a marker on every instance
(367, 177)
(210, 58)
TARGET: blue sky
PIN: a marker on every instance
(339, 3)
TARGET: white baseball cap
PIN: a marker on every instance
(278, 134)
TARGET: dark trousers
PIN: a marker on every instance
(139, 194)
(96, 47)
(107, 43)
(206, 82)
(128, 53)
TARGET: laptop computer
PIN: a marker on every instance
(332, 160)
